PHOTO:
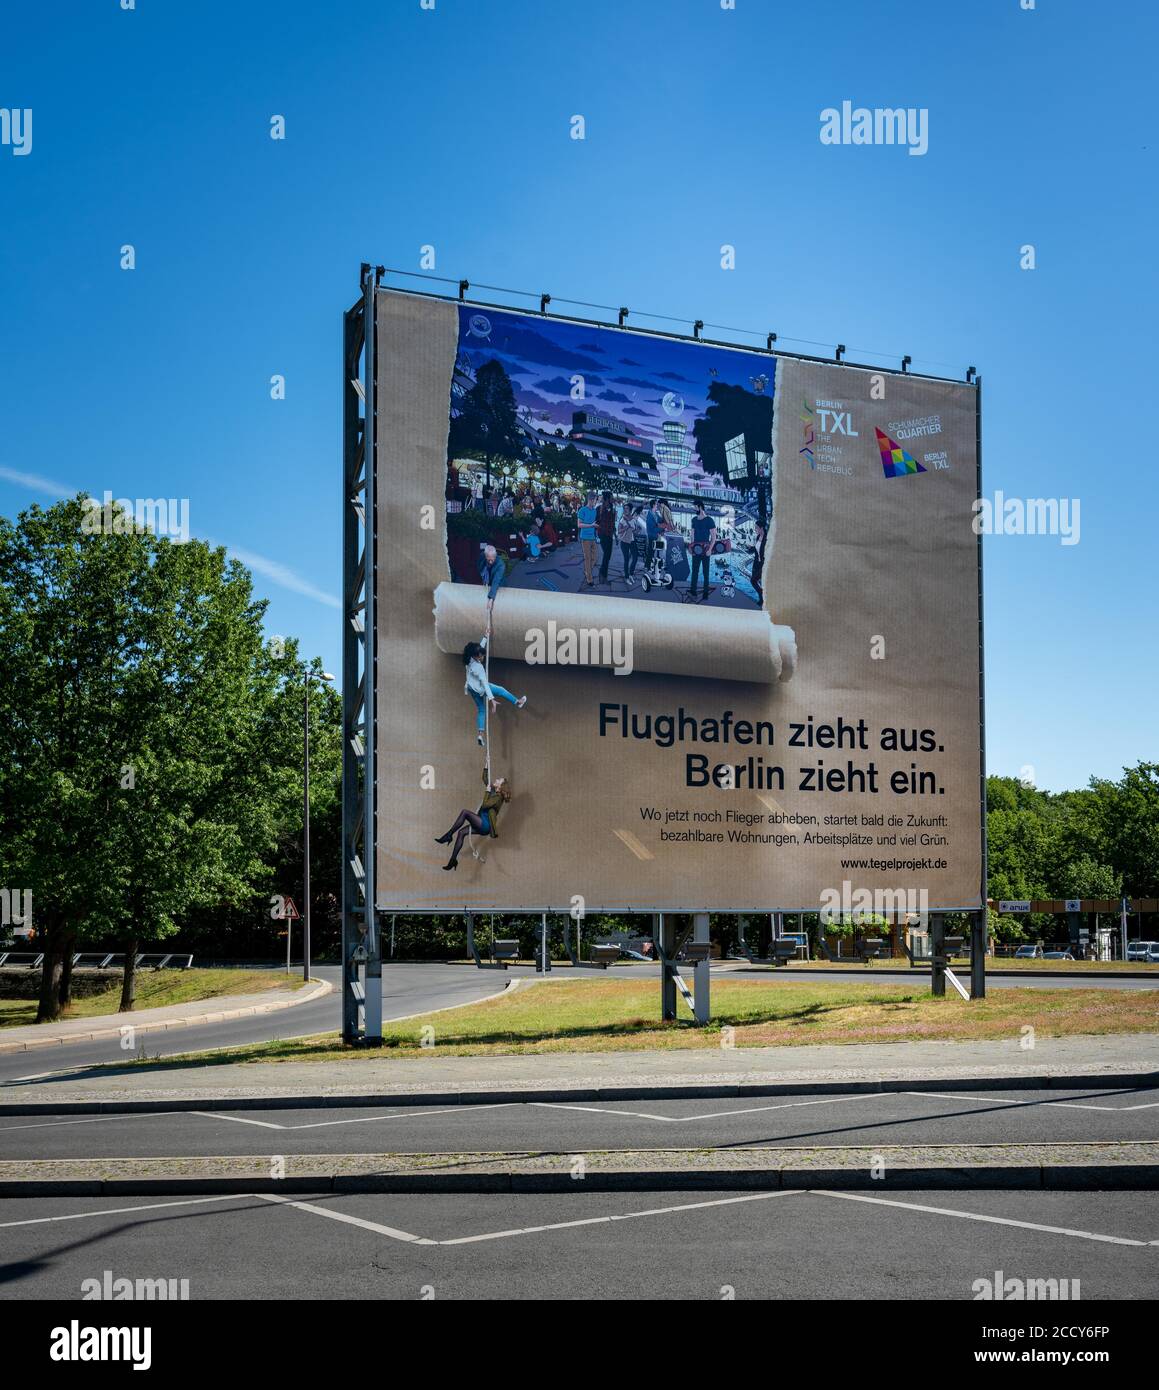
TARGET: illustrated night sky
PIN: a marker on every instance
(626, 374)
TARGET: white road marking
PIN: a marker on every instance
(91, 1120)
(121, 1211)
(619, 1216)
(976, 1216)
(418, 1114)
(711, 1115)
(1003, 1100)
(349, 1220)
(239, 1119)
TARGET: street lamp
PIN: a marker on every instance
(325, 676)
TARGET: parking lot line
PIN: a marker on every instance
(392, 1232)
(711, 1115)
(977, 1216)
(121, 1211)
(619, 1216)
(1003, 1100)
(91, 1120)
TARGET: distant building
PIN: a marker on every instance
(615, 449)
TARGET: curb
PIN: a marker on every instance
(303, 996)
(909, 971)
(1036, 1177)
(524, 1094)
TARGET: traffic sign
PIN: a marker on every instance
(290, 910)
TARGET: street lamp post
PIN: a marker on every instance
(326, 676)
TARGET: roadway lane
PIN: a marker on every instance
(929, 1116)
(626, 1247)
(407, 989)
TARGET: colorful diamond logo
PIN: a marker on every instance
(894, 459)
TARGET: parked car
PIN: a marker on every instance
(1058, 955)
(1153, 953)
(1140, 950)
(1028, 953)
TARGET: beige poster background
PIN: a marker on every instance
(877, 578)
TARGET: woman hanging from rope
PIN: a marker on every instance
(482, 689)
(484, 821)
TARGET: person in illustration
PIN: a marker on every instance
(667, 520)
(586, 516)
(759, 558)
(606, 531)
(548, 535)
(536, 540)
(506, 505)
(492, 571)
(626, 535)
(484, 821)
(481, 690)
(703, 539)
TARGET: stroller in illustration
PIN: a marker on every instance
(667, 563)
(722, 572)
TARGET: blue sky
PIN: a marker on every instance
(451, 127)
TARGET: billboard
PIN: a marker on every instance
(732, 620)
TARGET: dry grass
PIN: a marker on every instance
(621, 1015)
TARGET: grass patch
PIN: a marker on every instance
(621, 1015)
(158, 988)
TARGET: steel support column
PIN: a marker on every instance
(361, 948)
(664, 935)
(938, 955)
(978, 955)
(701, 970)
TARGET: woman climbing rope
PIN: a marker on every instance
(481, 689)
(483, 821)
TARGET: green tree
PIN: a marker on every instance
(154, 744)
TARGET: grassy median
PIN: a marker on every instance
(570, 1015)
(156, 989)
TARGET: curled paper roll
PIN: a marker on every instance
(678, 639)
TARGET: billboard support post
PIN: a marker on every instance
(701, 975)
(361, 1001)
(978, 955)
(979, 920)
(664, 935)
(938, 955)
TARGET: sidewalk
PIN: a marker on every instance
(374, 1078)
(37, 1035)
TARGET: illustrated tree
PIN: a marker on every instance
(487, 426)
(733, 411)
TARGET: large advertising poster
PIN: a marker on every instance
(665, 625)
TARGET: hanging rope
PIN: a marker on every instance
(487, 709)
(486, 744)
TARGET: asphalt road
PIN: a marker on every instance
(415, 989)
(921, 1117)
(617, 1246)
(407, 989)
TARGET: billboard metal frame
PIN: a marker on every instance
(361, 938)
